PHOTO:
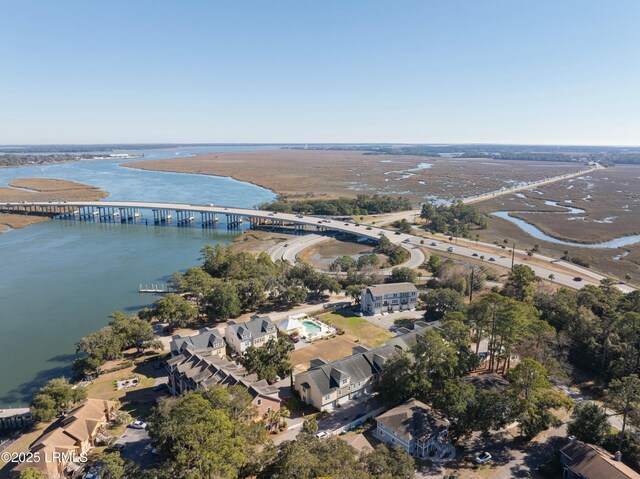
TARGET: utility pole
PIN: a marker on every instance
(513, 255)
(471, 285)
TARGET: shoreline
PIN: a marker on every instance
(42, 189)
(573, 242)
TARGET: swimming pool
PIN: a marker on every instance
(311, 327)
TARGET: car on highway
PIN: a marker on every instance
(434, 244)
(210, 204)
(398, 233)
(299, 216)
(577, 279)
(346, 224)
(450, 249)
(482, 458)
(285, 245)
(475, 255)
(492, 259)
(381, 233)
(407, 240)
(138, 424)
(369, 228)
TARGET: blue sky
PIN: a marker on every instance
(490, 71)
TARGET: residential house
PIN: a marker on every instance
(80, 430)
(201, 369)
(326, 385)
(416, 428)
(191, 370)
(585, 461)
(207, 338)
(265, 397)
(256, 332)
(382, 298)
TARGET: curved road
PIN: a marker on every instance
(289, 250)
(371, 232)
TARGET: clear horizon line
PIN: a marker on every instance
(280, 143)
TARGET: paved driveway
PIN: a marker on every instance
(138, 447)
(348, 413)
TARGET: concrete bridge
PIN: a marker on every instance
(185, 214)
(190, 214)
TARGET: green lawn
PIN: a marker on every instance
(369, 334)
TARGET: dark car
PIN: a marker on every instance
(475, 255)
(398, 233)
(369, 228)
(577, 278)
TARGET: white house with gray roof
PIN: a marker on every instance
(256, 332)
(382, 298)
(326, 385)
(417, 429)
(207, 339)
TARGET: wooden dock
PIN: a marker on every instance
(153, 289)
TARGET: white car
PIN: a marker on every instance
(138, 424)
(482, 458)
(322, 434)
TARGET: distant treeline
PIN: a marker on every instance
(602, 154)
(19, 160)
(113, 147)
(360, 205)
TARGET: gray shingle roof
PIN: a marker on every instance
(595, 463)
(390, 288)
(205, 339)
(413, 420)
(254, 328)
(360, 365)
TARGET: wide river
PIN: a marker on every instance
(62, 279)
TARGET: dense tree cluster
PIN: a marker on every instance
(55, 398)
(123, 332)
(269, 360)
(360, 205)
(456, 275)
(364, 262)
(309, 458)
(457, 219)
(230, 282)
(433, 370)
(601, 327)
(207, 434)
(396, 254)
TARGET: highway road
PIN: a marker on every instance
(289, 250)
(361, 230)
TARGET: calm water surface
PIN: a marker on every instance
(61, 279)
